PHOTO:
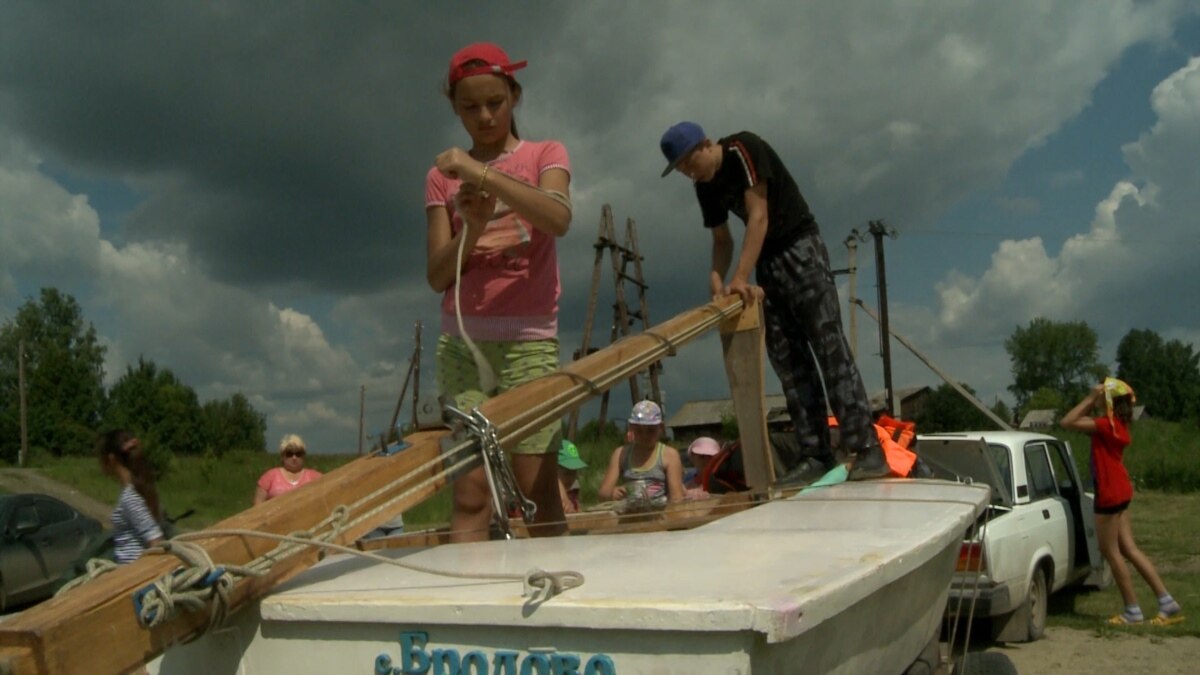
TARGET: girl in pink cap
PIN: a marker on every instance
(494, 212)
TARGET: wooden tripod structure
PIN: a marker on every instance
(413, 374)
(622, 255)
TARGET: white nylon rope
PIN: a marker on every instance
(487, 376)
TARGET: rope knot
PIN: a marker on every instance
(541, 585)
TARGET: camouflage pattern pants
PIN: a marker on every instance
(802, 310)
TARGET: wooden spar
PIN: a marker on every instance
(938, 371)
(62, 634)
(742, 343)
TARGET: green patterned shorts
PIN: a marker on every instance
(514, 362)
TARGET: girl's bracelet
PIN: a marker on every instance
(483, 176)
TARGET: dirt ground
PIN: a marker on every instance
(1067, 651)
(29, 480)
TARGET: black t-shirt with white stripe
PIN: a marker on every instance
(749, 161)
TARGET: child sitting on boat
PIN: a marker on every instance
(569, 466)
(650, 472)
(700, 454)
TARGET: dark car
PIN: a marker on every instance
(43, 544)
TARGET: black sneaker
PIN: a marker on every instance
(808, 471)
(869, 464)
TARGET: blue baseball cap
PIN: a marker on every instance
(679, 141)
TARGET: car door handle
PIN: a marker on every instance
(1045, 514)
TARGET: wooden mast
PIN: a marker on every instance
(94, 629)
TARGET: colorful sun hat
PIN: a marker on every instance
(1114, 388)
(646, 413)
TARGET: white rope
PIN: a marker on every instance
(488, 382)
(95, 567)
(487, 377)
(200, 582)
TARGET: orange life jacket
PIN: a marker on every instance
(896, 437)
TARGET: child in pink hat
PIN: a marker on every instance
(700, 453)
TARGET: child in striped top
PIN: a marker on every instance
(135, 519)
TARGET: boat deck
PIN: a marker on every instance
(775, 569)
(850, 578)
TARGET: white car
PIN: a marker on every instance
(1038, 536)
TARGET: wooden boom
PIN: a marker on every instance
(94, 628)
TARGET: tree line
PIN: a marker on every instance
(1055, 363)
(68, 405)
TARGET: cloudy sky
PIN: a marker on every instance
(235, 190)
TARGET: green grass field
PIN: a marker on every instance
(1164, 526)
(217, 488)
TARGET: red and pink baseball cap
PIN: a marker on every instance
(494, 62)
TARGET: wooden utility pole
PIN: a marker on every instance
(362, 403)
(878, 229)
(620, 256)
(852, 240)
(413, 374)
(1003, 424)
(24, 457)
(643, 312)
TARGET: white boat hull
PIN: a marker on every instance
(847, 579)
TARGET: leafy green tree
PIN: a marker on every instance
(233, 424)
(1047, 398)
(64, 376)
(163, 411)
(593, 431)
(1059, 355)
(947, 410)
(1001, 410)
(1165, 375)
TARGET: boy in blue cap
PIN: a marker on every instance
(783, 247)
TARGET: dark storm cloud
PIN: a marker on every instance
(281, 142)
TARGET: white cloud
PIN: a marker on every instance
(1134, 265)
(151, 300)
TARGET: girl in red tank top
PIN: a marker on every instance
(1110, 436)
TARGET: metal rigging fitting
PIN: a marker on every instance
(506, 494)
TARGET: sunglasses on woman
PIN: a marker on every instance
(293, 453)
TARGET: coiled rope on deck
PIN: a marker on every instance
(202, 582)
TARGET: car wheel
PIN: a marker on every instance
(1036, 603)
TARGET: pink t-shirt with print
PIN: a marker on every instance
(275, 481)
(510, 284)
